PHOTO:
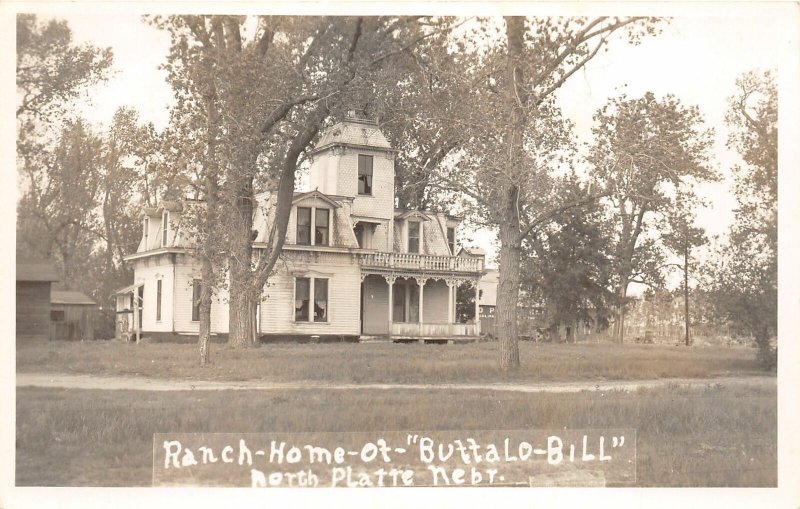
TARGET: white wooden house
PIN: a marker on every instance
(353, 265)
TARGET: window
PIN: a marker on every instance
(304, 226)
(303, 289)
(406, 302)
(146, 228)
(158, 300)
(164, 228)
(57, 315)
(413, 236)
(451, 239)
(140, 305)
(196, 300)
(364, 174)
(320, 300)
(321, 226)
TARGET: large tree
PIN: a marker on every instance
(743, 280)
(681, 238)
(511, 137)
(52, 71)
(566, 264)
(60, 160)
(646, 151)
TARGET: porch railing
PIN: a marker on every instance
(417, 261)
(434, 330)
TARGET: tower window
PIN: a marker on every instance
(364, 174)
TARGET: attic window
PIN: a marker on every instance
(364, 174)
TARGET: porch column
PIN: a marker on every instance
(451, 305)
(477, 309)
(390, 281)
(421, 283)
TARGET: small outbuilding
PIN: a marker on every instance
(33, 299)
(72, 316)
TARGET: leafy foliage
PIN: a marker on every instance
(647, 151)
(744, 280)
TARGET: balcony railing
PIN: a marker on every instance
(415, 261)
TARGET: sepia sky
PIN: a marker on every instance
(697, 57)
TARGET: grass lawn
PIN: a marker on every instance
(386, 363)
(685, 437)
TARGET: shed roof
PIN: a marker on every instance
(36, 271)
(70, 297)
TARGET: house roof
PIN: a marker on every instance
(355, 132)
(126, 289)
(70, 297)
(36, 271)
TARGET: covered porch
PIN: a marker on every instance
(414, 306)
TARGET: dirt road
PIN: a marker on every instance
(67, 381)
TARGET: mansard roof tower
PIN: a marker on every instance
(354, 159)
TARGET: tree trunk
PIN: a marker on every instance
(686, 292)
(204, 335)
(619, 322)
(241, 318)
(508, 289)
(242, 295)
(509, 220)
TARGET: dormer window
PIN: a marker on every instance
(451, 239)
(321, 222)
(304, 226)
(164, 228)
(312, 219)
(413, 236)
(364, 174)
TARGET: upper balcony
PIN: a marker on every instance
(421, 262)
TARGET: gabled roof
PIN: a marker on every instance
(70, 297)
(415, 214)
(316, 194)
(36, 271)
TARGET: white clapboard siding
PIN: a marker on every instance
(183, 304)
(277, 309)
